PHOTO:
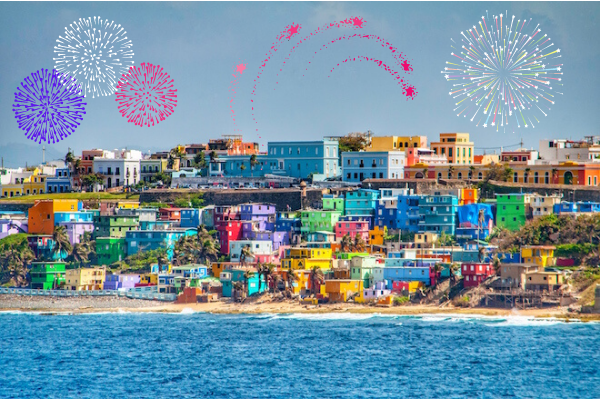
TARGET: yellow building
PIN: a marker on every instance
(397, 143)
(542, 256)
(305, 258)
(541, 280)
(85, 278)
(343, 289)
(128, 204)
(30, 182)
(544, 205)
(149, 279)
(376, 235)
(426, 239)
(457, 148)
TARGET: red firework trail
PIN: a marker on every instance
(289, 32)
(408, 90)
(238, 71)
(146, 95)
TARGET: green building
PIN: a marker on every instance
(511, 210)
(114, 225)
(319, 220)
(333, 203)
(361, 268)
(110, 250)
(47, 275)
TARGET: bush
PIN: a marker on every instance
(399, 300)
(462, 301)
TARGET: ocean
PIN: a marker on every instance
(198, 355)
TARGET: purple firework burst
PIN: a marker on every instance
(48, 106)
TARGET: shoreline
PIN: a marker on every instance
(60, 306)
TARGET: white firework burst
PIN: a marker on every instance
(96, 52)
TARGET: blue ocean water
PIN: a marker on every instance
(196, 355)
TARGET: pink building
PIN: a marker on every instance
(352, 229)
(475, 273)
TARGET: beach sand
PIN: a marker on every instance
(262, 305)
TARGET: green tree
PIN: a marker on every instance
(15, 258)
(200, 160)
(62, 246)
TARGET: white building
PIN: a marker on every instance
(360, 165)
(544, 205)
(121, 168)
(560, 150)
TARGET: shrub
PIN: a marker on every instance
(462, 301)
(399, 300)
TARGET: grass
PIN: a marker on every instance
(78, 196)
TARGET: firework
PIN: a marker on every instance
(146, 95)
(238, 70)
(96, 52)
(504, 73)
(48, 106)
(408, 90)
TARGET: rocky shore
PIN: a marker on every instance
(84, 303)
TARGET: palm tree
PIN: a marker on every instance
(453, 268)
(471, 171)
(359, 244)
(438, 268)
(316, 276)
(276, 279)
(291, 278)
(247, 276)
(80, 254)
(15, 262)
(346, 243)
(62, 245)
(450, 171)
(161, 260)
(245, 253)
(526, 176)
(267, 273)
(253, 162)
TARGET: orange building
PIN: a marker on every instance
(41, 214)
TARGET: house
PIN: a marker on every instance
(76, 229)
(408, 213)
(288, 222)
(170, 214)
(386, 212)
(425, 240)
(319, 220)
(166, 283)
(437, 213)
(85, 278)
(352, 229)
(333, 203)
(41, 214)
(542, 256)
(342, 290)
(511, 210)
(261, 250)
(258, 212)
(114, 225)
(300, 159)
(230, 276)
(60, 182)
(12, 222)
(192, 271)
(207, 216)
(121, 281)
(544, 205)
(455, 146)
(376, 236)
(361, 268)
(378, 290)
(119, 168)
(475, 272)
(47, 275)
(305, 258)
(110, 250)
(42, 246)
(406, 273)
(396, 143)
(361, 202)
(150, 167)
(544, 280)
(321, 236)
(138, 240)
(190, 218)
(469, 226)
(360, 165)
(513, 276)
(228, 231)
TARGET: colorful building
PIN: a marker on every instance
(261, 250)
(319, 220)
(469, 226)
(47, 275)
(76, 230)
(361, 202)
(60, 182)
(475, 272)
(455, 146)
(396, 143)
(114, 225)
(191, 271)
(121, 281)
(352, 229)
(511, 210)
(306, 258)
(170, 214)
(438, 214)
(341, 290)
(333, 203)
(376, 236)
(360, 165)
(408, 213)
(151, 240)
(230, 276)
(41, 214)
(542, 256)
(228, 231)
(190, 218)
(85, 278)
(110, 250)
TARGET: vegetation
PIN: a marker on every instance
(78, 196)
(62, 245)
(355, 141)
(84, 252)
(15, 256)
(463, 301)
(201, 248)
(194, 201)
(399, 300)
(140, 262)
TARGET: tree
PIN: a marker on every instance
(69, 157)
(89, 180)
(355, 141)
(247, 276)
(316, 277)
(15, 257)
(62, 245)
(253, 161)
(498, 172)
(425, 173)
(291, 278)
(162, 177)
(450, 171)
(266, 271)
(454, 267)
(245, 254)
(346, 243)
(438, 268)
(359, 244)
(200, 160)
(496, 263)
(471, 171)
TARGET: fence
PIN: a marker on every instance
(143, 293)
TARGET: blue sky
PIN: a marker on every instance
(199, 43)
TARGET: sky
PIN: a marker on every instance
(200, 43)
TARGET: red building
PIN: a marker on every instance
(352, 229)
(228, 231)
(170, 214)
(475, 273)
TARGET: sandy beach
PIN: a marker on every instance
(260, 306)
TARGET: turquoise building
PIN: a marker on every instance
(361, 202)
(230, 276)
(437, 213)
(139, 240)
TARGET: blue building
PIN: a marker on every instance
(565, 207)
(293, 159)
(406, 274)
(361, 202)
(60, 182)
(360, 165)
(437, 213)
(190, 218)
(408, 213)
(588, 207)
(229, 277)
(468, 221)
(288, 222)
(73, 216)
(139, 241)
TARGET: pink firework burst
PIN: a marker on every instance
(146, 95)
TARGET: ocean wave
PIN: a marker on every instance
(326, 316)
(187, 311)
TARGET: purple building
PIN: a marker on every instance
(258, 212)
(121, 281)
(11, 226)
(281, 239)
(76, 229)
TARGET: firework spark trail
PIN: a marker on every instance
(146, 95)
(239, 70)
(48, 106)
(507, 71)
(288, 33)
(407, 89)
(96, 52)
